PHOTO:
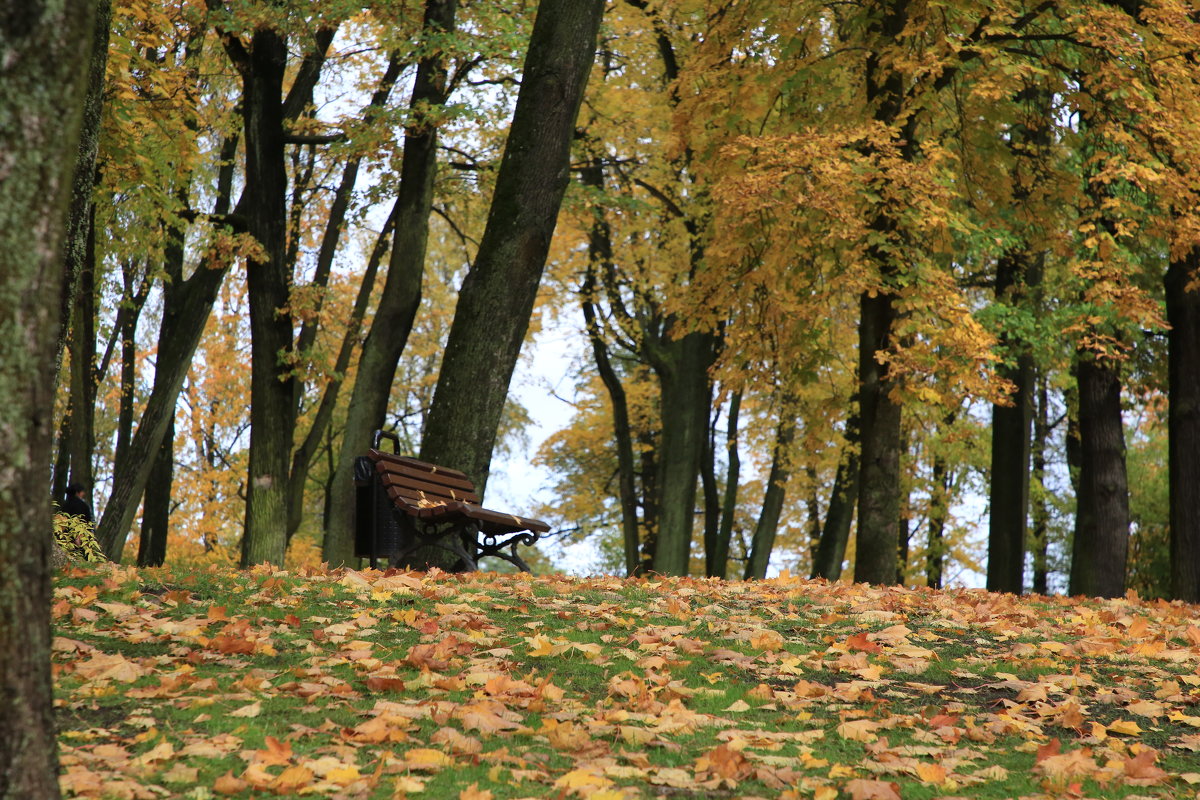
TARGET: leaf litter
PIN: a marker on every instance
(366, 684)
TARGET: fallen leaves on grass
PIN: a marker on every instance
(370, 684)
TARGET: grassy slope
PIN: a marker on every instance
(344, 684)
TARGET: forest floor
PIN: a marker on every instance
(213, 683)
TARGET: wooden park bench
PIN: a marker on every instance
(404, 505)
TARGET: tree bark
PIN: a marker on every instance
(835, 533)
(43, 60)
(682, 368)
(1011, 428)
(1040, 509)
(1183, 424)
(938, 513)
(879, 475)
(1102, 513)
(80, 249)
(879, 415)
(496, 300)
(401, 291)
(156, 509)
(720, 555)
(82, 344)
(268, 282)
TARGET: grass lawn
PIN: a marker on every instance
(215, 683)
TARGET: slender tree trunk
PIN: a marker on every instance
(600, 254)
(496, 300)
(304, 455)
(712, 497)
(186, 307)
(939, 511)
(82, 344)
(720, 555)
(1102, 513)
(1040, 508)
(835, 534)
(1018, 278)
(128, 325)
(156, 509)
(648, 445)
(1183, 425)
(80, 242)
(768, 518)
(43, 71)
(812, 513)
(401, 291)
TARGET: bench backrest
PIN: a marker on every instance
(420, 483)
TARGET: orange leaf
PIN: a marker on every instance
(227, 784)
(859, 641)
(860, 789)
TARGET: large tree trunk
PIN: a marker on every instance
(682, 368)
(1183, 425)
(43, 71)
(1011, 427)
(496, 300)
(401, 291)
(879, 415)
(1102, 512)
(268, 284)
(879, 476)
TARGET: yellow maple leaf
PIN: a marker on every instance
(580, 781)
(858, 730)
(1124, 726)
(541, 646)
(292, 778)
(252, 710)
(473, 792)
(931, 773)
(426, 758)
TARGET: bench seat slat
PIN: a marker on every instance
(496, 521)
(416, 488)
(417, 464)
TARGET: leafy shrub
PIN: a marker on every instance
(77, 538)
